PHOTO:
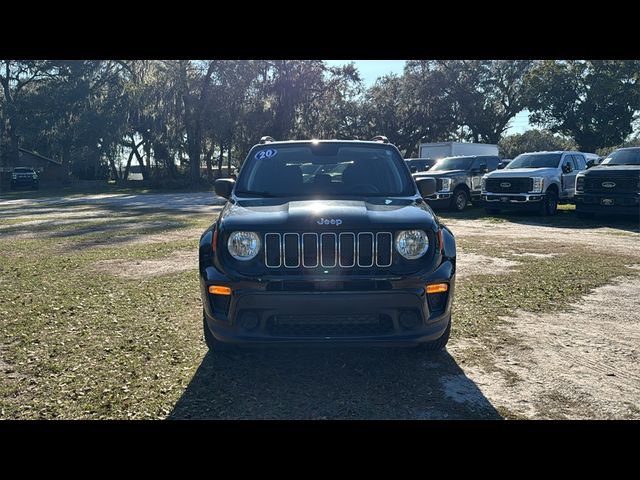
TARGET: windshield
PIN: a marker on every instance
(324, 169)
(453, 163)
(623, 157)
(535, 160)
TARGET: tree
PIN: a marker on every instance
(533, 141)
(15, 76)
(594, 102)
(486, 94)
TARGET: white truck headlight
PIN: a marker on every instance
(580, 183)
(412, 244)
(538, 185)
(446, 184)
(243, 245)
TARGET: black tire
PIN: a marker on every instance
(214, 345)
(549, 205)
(585, 215)
(459, 200)
(492, 211)
(440, 343)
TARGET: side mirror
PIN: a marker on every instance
(413, 169)
(484, 169)
(224, 187)
(590, 163)
(566, 168)
(426, 186)
(500, 166)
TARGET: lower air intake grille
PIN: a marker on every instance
(329, 325)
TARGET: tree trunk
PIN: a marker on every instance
(229, 160)
(125, 177)
(114, 170)
(220, 159)
(208, 159)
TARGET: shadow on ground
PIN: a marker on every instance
(331, 383)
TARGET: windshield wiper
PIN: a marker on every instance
(257, 193)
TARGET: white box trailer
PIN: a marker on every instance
(454, 149)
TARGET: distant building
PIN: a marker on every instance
(51, 172)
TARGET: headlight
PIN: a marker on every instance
(446, 184)
(483, 185)
(14, 176)
(580, 183)
(243, 245)
(538, 185)
(412, 244)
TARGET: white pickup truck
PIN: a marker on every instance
(536, 181)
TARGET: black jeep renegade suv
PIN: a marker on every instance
(326, 242)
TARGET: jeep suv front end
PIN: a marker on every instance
(349, 257)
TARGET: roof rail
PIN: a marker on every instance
(380, 138)
(266, 139)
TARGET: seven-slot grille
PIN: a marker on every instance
(328, 250)
(509, 185)
(620, 184)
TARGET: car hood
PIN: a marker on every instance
(443, 173)
(310, 215)
(613, 171)
(523, 172)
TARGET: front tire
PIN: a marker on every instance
(440, 343)
(214, 345)
(549, 205)
(459, 200)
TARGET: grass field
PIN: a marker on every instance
(99, 322)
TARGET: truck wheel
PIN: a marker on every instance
(213, 344)
(549, 204)
(459, 200)
(440, 343)
(492, 211)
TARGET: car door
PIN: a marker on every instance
(569, 171)
(478, 168)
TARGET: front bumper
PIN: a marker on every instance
(615, 204)
(512, 200)
(24, 182)
(400, 314)
(439, 199)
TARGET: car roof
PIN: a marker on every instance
(628, 148)
(302, 142)
(468, 156)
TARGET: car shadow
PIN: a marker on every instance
(562, 219)
(332, 383)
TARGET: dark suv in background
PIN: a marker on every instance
(24, 177)
(459, 180)
(612, 187)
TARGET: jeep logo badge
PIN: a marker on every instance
(608, 184)
(330, 221)
(505, 184)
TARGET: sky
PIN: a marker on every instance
(370, 70)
